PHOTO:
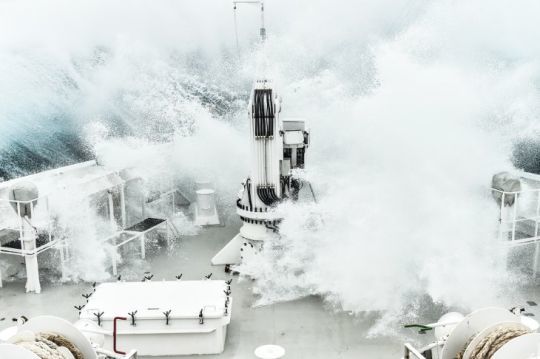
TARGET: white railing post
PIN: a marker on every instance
(514, 216)
(143, 208)
(410, 350)
(123, 205)
(111, 211)
(537, 244)
(501, 218)
(48, 209)
(173, 202)
(113, 259)
(21, 235)
(537, 214)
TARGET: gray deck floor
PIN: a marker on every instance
(305, 328)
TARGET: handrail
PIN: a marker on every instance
(29, 252)
(409, 349)
(115, 320)
(512, 216)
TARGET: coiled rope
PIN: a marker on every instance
(47, 345)
(492, 342)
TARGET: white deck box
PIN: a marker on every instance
(148, 331)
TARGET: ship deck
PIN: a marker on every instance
(304, 327)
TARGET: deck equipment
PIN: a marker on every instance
(278, 148)
(28, 207)
(494, 333)
(205, 210)
(171, 318)
(53, 337)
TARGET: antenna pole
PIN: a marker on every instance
(262, 29)
(236, 31)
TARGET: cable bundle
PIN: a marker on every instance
(263, 113)
(267, 194)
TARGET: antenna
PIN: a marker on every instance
(262, 31)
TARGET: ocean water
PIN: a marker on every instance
(412, 106)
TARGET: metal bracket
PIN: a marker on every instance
(115, 332)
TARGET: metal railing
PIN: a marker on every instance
(20, 225)
(519, 216)
(519, 225)
(412, 353)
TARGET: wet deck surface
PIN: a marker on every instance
(305, 328)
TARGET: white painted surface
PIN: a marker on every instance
(151, 298)
(150, 333)
(294, 137)
(523, 347)
(205, 209)
(270, 351)
(205, 199)
(295, 325)
(471, 325)
(532, 324)
(10, 351)
(442, 330)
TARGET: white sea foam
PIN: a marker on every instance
(413, 105)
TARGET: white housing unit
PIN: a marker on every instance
(160, 318)
(205, 207)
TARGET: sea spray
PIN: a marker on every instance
(412, 105)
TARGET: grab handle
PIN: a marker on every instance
(114, 335)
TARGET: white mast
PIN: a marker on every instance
(262, 30)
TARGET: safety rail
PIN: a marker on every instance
(19, 228)
(513, 219)
(519, 216)
(30, 252)
(167, 201)
(29, 227)
(16, 214)
(133, 233)
(412, 353)
(18, 243)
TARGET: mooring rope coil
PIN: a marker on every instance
(495, 340)
(47, 345)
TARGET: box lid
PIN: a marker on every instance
(184, 299)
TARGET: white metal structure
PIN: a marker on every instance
(205, 210)
(277, 148)
(262, 31)
(64, 340)
(518, 197)
(498, 331)
(160, 318)
(27, 225)
(138, 232)
(27, 231)
(19, 237)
